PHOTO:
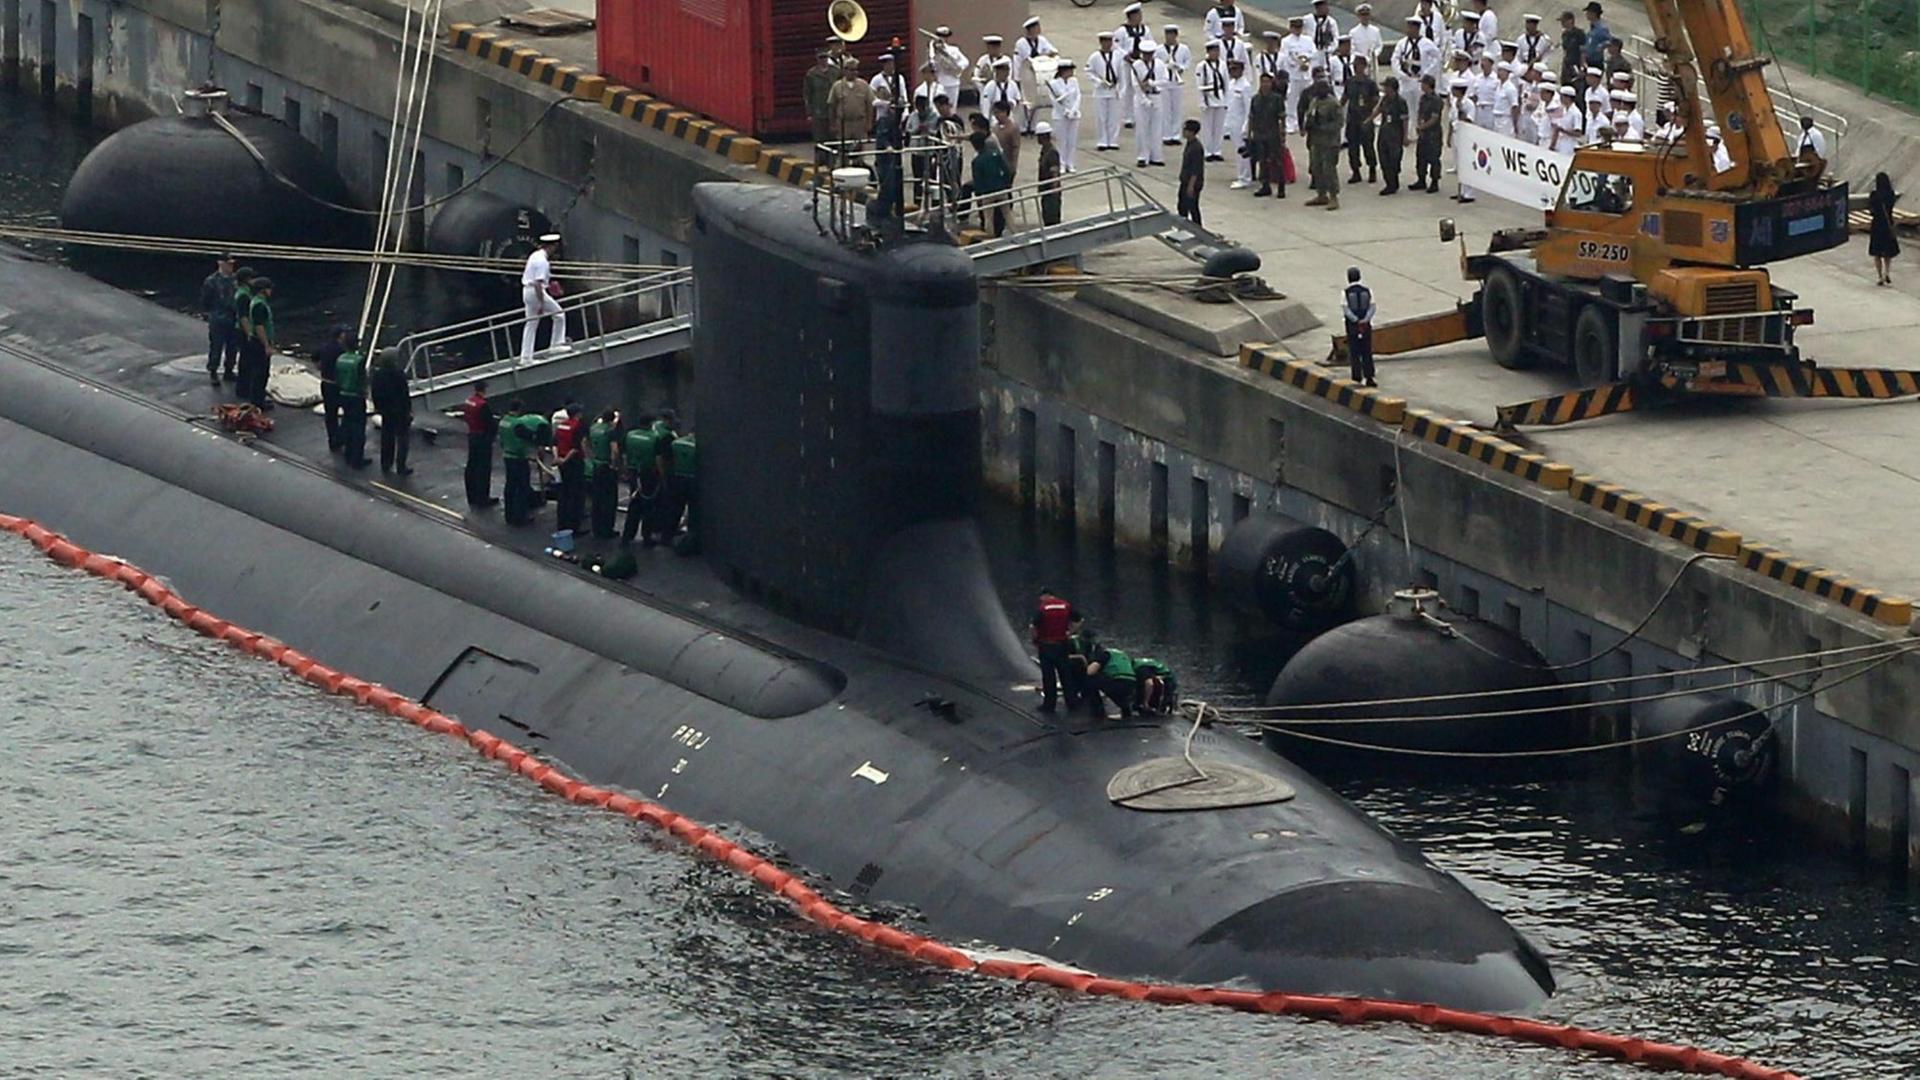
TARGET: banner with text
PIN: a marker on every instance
(1494, 164)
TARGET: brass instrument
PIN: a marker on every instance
(847, 19)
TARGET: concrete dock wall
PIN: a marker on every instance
(1114, 426)
(1132, 434)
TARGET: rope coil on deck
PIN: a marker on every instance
(822, 912)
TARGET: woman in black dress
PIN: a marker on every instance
(1882, 244)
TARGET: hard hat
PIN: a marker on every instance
(1043, 128)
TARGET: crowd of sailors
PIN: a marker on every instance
(1234, 95)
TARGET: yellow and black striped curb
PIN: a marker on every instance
(1487, 449)
(631, 104)
(1567, 408)
(1690, 529)
(1345, 393)
(1784, 568)
(521, 60)
(1789, 380)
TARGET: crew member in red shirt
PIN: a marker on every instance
(482, 426)
(1051, 621)
(568, 435)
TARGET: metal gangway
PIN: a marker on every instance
(1099, 206)
(624, 323)
(1654, 85)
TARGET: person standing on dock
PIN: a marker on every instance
(1882, 242)
(1176, 60)
(1053, 619)
(223, 338)
(1362, 98)
(1426, 148)
(350, 372)
(1357, 309)
(949, 63)
(1193, 172)
(388, 385)
(819, 82)
(1266, 137)
(258, 353)
(1032, 46)
(1392, 136)
(1325, 120)
(1146, 79)
(1049, 174)
(603, 477)
(1064, 91)
(1106, 67)
(536, 291)
(482, 427)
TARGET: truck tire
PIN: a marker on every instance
(1504, 320)
(1596, 345)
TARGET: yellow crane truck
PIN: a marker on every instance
(1648, 277)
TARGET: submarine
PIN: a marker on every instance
(832, 671)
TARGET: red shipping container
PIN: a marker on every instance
(741, 62)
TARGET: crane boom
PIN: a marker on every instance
(1706, 42)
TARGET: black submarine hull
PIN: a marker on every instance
(993, 828)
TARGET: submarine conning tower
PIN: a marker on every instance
(839, 426)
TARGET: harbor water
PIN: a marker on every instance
(211, 869)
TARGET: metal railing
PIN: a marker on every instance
(1651, 77)
(494, 340)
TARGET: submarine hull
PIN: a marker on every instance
(989, 825)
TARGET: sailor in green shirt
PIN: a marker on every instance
(1111, 673)
(521, 436)
(257, 352)
(639, 457)
(1159, 692)
(350, 375)
(680, 487)
(603, 488)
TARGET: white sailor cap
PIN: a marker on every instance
(1545, 69)
(1104, 35)
(1458, 83)
(943, 31)
(887, 58)
(1343, 37)
(1627, 96)
(1530, 17)
(993, 39)
(1296, 20)
(1213, 43)
(1065, 63)
(1594, 72)
(1363, 9)
(1412, 20)
(1043, 128)
(1002, 62)
(1470, 16)
(1624, 78)
(1149, 45)
(550, 238)
(1567, 92)
(1130, 9)
(1031, 22)
(1549, 79)
(1500, 65)
(1171, 28)
(1274, 35)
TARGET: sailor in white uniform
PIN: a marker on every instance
(1570, 129)
(1000, 87)
(1149, 79)
(1177, 59)
(1107, 72)
(949, 64)
(1127, 38)
(1064, 91)
(1416, 55)
(1298, 53)
(1032, 44)
(1366, 37)
(1812, 140)
(1220, 16)
(983, 67)
(1210, 82)
(1536, 47)
(536, 291)
(1325, 32)
(1239, 101)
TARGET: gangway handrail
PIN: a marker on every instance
(416, 350)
